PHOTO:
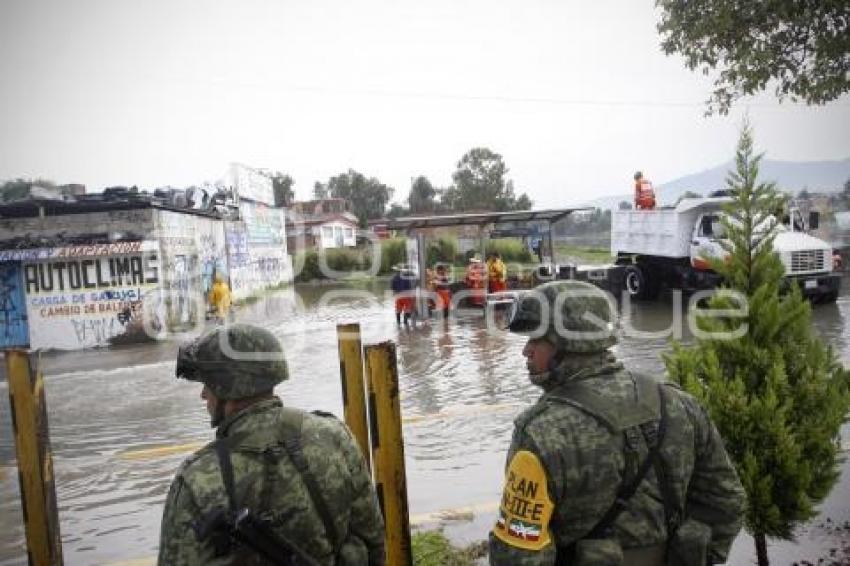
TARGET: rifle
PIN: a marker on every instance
(249, 531)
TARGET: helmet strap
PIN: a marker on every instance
(556, 359)
(218, 413)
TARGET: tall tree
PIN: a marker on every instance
(396, 210)
(368, 196)
(480, 184)
(776, 392)
(320, 191)
(284, 194)
(423, 196)
(801, 45)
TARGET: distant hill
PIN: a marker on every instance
(790, 176)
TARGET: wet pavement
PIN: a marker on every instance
(120, 423)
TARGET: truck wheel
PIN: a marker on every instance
(638, 284)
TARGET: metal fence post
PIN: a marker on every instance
(388, 450)
(35, 461)
(353, 388)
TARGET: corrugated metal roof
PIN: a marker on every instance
(479, 218)
(32, 208)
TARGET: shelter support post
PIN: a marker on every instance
(551, 247)
(421, 300)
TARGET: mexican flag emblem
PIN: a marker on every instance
(523, 530)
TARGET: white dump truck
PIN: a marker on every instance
(668, 247)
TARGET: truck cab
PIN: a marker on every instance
(706, 241)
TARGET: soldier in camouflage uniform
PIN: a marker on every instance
(608, 467)
(300, 475)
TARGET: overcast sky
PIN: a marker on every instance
(575, 95)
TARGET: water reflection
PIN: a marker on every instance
(462, 385)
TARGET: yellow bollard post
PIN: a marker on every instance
(35, 461)
(388, 450)
(353, 390)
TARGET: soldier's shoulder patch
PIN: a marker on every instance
(526, 507)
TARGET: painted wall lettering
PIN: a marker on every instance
(77, 302)
(93, 273)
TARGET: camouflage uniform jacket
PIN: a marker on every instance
(581, 464)
(277, 492)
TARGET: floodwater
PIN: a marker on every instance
(120, 423)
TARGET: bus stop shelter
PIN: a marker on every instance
(520, 224)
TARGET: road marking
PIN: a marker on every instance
(461, 411)
(169, 450)
(160, 451)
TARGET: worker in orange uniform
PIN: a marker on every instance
(497, 274)
(219, 299)
(442, 287)
(475, 277)
(644, 194)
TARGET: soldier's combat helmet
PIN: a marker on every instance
(576, 317)
(234, 361)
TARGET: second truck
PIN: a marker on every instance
(668, 247)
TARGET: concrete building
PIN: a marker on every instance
(324, 223)
(83, 273)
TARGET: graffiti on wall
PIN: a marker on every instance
(193, 253)
(13, 318)
(237, 245)
(265, 267)
(212, 259)
(79, 302)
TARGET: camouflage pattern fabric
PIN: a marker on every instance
(277, 493)
(234, 361)
(576, 317)
(584, 463)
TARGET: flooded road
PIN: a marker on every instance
(120, 423)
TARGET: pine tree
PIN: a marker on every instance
(776, 392)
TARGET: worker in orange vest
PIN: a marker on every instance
(644, 194)
(442, 287)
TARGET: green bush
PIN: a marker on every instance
(443, 250)
(309, 260)
(393, 251)
(338, 259)
(432, 548)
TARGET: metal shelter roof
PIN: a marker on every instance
(479, 218)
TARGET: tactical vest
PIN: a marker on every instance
(645, 417)
(281, 441)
